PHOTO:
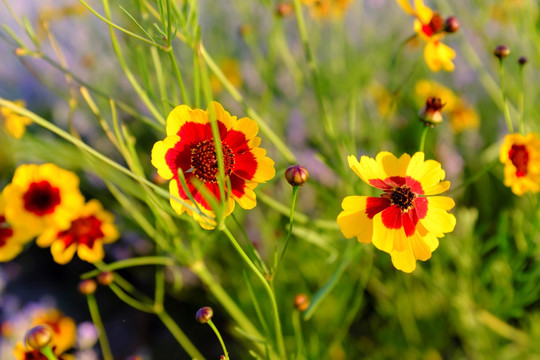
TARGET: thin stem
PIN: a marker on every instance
(277, 321)
(102, 335)
(179, 335)
(505, 100)
(521, 104)
(139, 261)
(216, 331)
(48, 353)
(423, 138)
(291, 220)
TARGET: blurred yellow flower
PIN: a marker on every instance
(64, 328)
(327, 9)
(521, 158)
(383, 99)
(406, 220)
(231, 69)
(462, 116)
(89, 230)
(13, 123)
(40, 196)
(22, 353)
(429, 26)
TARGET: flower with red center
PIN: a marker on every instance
(521, 158)
(64, 328)
(40, 196)
(189, 148)
(89, 230)
(404, 221)
(430, 26)
(12, 239)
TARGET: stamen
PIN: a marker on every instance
(403, 197)
(204, 160)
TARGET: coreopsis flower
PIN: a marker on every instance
(430, 26)
(405, 220)
(22, 353)
(189, 148)
(521, 158)
(12, 239)
(40, 196)
(14, 124)
(88, 231)
(326, 9)
(461, 115)
(64, 328)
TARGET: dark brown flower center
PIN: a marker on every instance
(403, 197)
(519, 156)
(204, 160)
(5, 231)
(85, 230)
(41, 198)
(436, 24)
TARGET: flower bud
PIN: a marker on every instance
(523, 60)
(106, 278)
(39, 336)
(296, 175)
(431, 113)
(301, 302)
(204, 314)
(501, 51)
(451, 25)
(284, 9)
(87, 287)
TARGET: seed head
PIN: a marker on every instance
(296, 175)
(523, 60)
(501, 51)
(301, 302)
(431, 113)
(106, 278)
(87, 287)
(284, 9)
(451, 25)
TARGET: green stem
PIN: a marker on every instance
(216, 331)
(102, 335)
(270, 292)
(505, 100)
(521, 104)
(423, 138)
(179, 335)
(48, 353)
(140, 261)
(291, 219)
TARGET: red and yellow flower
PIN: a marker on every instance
(14, 124)
(521, 158)
(12, 239)
(429, 26)
(64, 328)
(89, 230)
(22, 353)
(40, 196)
(405, 221)
(189, 148)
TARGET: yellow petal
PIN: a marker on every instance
(406, 6)
(353, 220)
(183, 114)
(404, 260)
(383, 237)
(393, 166)
(423, 13)
(159, 151)
(93, 254)
(420, 248)
(61, 254)
(221, 115)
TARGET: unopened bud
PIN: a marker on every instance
(301, 302)
(39, 336)
(451, 25)
(204, 314)
(523, 60)
(284, 9)
(431, 113)
(501, 51)
(106, 278)
(296, 175)
(87, 287)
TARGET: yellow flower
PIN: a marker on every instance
(89, 230)
(189, 147)
(14, 124)
(429, 25)
(326, 9)
(521, 158)
(404, 221)
(12, 239)
(462, 116)
(231, 70)
(40, 196)
(64, 328)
